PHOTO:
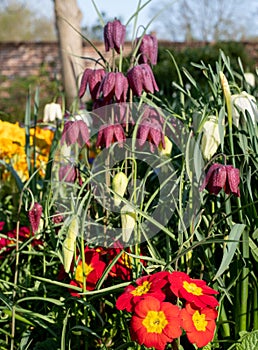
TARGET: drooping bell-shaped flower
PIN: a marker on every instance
(109, 134)
(76, 132)
(220, 177)
(141, 78)
(119, 185)
(148, 49)
(210, 138)
(246, 105)
(150, 130)
(34, 216)
(52, 112)
(113, 85)
(91, 78)
(114, 35)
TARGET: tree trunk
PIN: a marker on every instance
(68, 18)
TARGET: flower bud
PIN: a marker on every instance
(34, 216)
(119, 184)
(69, 242)
(128, 220)
(210, 138)
(114, 35)
(52, 111)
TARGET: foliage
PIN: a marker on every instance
(166, 72)
(113, 260)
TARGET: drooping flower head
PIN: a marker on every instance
(220, 177)
(148, 49)
(110, 133)
(114, 35)
(150, 130)
(155, 323)
(76, 132)
(145, 286)
(192, 290)
(114, 84)
(91, 78)
(141, 78)
(52, 112)
(199, 324)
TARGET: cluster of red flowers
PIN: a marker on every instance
(164, 305)
(8, 239)
(90, 268)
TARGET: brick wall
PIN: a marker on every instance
(28, 58)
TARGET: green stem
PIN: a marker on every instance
(241, 323)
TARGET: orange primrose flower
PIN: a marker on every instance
(199, 324)
(193, 290)
(155, 323)
(145, 286)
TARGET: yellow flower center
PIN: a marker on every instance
(82, 271)
(192, 288)
(155, 321)
(126, 260)
(142, 289)
(199, 321)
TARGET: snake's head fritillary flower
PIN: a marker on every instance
(148, 49)
(199, 324)
(109, 134)
(34, 216)
(210, 138)
(192, 290)
(114, 84)
(76, 132)
(91, 78)
(244, 108)
(145, 286)
(114, 35)
(52, 112)
(150, 130)
(155, 323)
(221, 176)
(141, 78)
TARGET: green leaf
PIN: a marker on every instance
(249, 341)
(230, 247)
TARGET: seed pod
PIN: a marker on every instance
(119, 184)
(69, 242)
(128, 220)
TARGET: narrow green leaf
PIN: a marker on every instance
(230, 247)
